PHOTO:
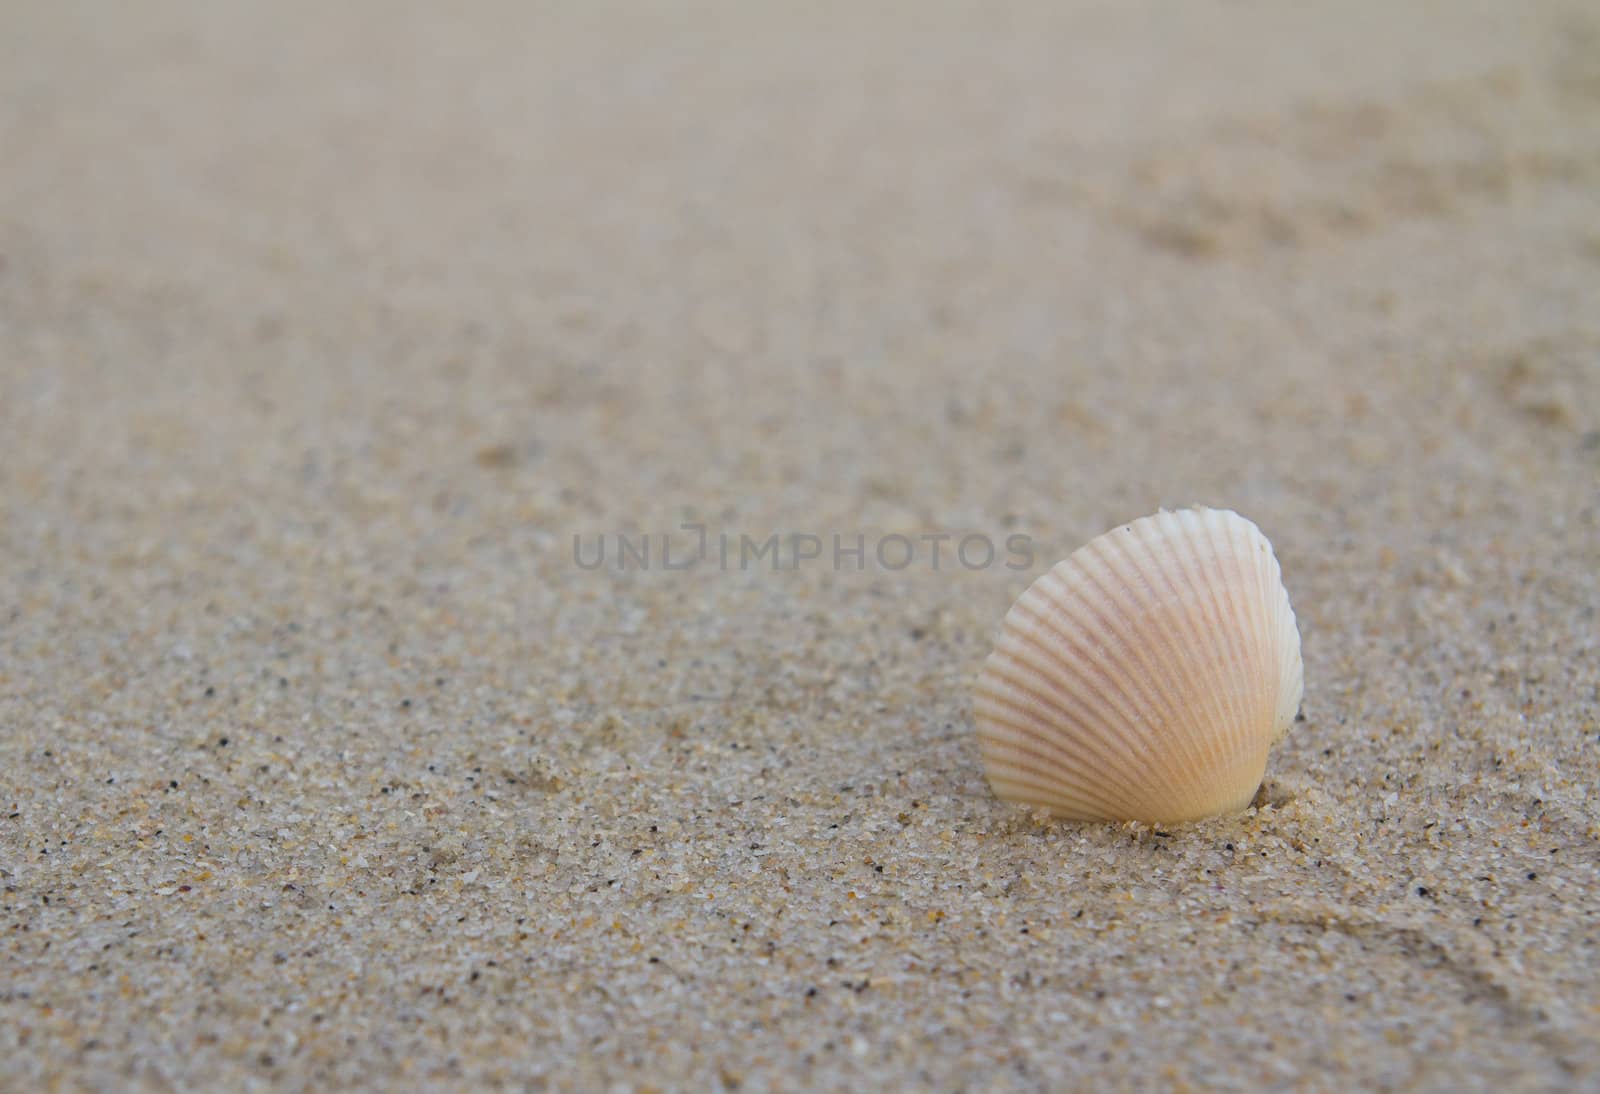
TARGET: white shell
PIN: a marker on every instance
(1145, 676)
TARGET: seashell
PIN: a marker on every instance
(1145, 676)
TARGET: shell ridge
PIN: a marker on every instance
(1190, 633)
(1253, 558)
(1088, 618)
(1166, 720)
(1274, 603)
(1230, 606)
(1030, 733)
(1102, 748)
(1025, 648)
(1111, 678)
(1273, 642)
(1020, 712)
(1017, 755)
(1109, 705)
(1281, 636)
(1193, 631)
(1232, 585)
(1008, 764)
(1224, 618)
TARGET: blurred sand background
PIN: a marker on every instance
(325, 328)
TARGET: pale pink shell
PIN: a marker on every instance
(1145, 676)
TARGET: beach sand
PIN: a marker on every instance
(325, 330)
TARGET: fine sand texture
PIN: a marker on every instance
(326, 328)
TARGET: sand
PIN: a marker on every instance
(324, 330)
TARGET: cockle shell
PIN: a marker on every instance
(1145, 676)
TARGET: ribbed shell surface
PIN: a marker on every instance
(1145, 676)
